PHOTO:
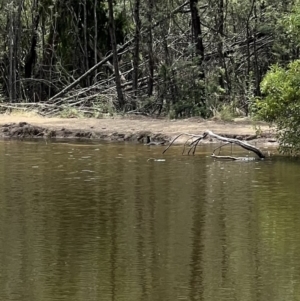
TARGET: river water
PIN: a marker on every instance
(106, 222)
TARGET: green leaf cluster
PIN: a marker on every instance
(291, 24)
(280, 104)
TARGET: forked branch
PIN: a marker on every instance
(196, 139)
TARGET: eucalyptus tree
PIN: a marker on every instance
(62, 42)
(136, 54)
(11, 52)
(176, 57)
(113, 40)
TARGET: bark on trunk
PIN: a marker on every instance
(197, 32)
(32, 56)
(86, 55)
(136, 46)
(150, 48)
(95, 39)
(112, 32)
(199, 45)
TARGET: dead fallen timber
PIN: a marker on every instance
(193, 141)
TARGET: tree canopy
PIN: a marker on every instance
(177, 58)
(280, 101)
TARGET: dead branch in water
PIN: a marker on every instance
(198, 138)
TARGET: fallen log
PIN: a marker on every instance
(241, 143)
(120, 50)
(196, 139)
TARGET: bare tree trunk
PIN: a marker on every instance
(112, 32)
(248, 37)
(224, 80)
(95, 39)
(150, 48)
(169, 82)
(136, 47)
(51, 57)
(220, 39)
(50, 54)
(198, 40)
(11, 52)
(86, 55)
(18, 32)
(197, 32)
(31, 56)
(256, 67)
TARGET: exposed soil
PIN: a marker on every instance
(128, 128)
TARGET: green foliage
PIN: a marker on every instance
(186, 108)
(226, 112)
(281, 104)
(103, 107)
(69, 112)
(291, 24)
(190, 89)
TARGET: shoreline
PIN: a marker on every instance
(134, 129)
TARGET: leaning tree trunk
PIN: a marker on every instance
(121, 101)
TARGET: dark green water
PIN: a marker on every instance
(102, 222)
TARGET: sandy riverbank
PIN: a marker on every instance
(127, 128)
